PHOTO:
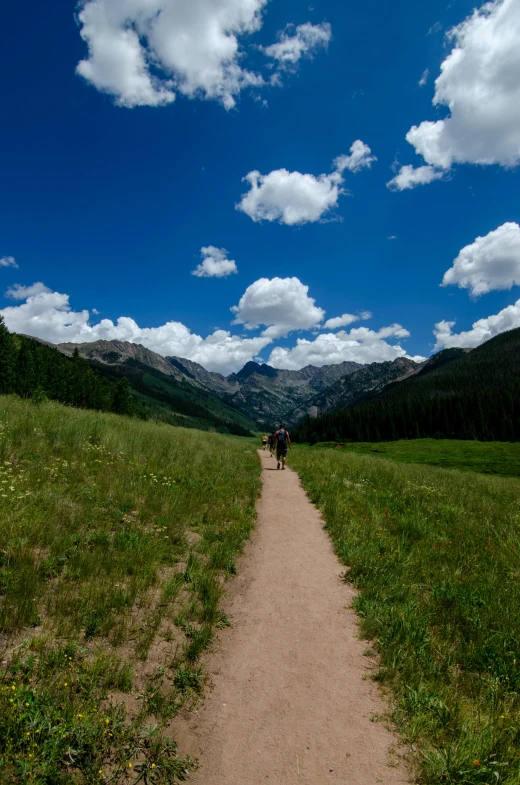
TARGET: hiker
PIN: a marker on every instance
(271, 441)
(283, 442)
(264, 441)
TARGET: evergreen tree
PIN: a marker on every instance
(7, 359)
(123, 397)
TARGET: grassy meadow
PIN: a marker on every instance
(435, 554)
(487, 457)
(116, 537)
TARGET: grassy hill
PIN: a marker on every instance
(435, 554)
(116, 536)
(177, 402)
(457, 395)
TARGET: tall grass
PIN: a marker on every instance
(436, 556)
(487, 457)
(114, 538)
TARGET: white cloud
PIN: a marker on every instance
(409, 177)
(424, 77)
(290, 197)
(490, 263)
(481, 331)
(19, 292)
(143, 52)
(358, 345)
(279, 304)
(8, 261)
(215, 263)
(480, 84)
(346, 319)
(306, 40)
(360, 158)
(392, 237)
(293, 198)
(48, 315)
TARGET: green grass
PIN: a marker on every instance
(115, 537)
(436, 556)
(487, 457)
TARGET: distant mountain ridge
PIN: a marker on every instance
(259, 394)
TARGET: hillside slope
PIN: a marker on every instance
(158, 390)
(366, 381)
(457, 395)
(116, 539)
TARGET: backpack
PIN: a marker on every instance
(282, 436)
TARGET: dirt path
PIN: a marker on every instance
(290, 703)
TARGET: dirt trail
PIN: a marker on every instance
(289, 703)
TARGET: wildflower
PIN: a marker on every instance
(153, 765)
(476, 762)
(65, 685)
(13, 687)
(107, 720)
(26, 704)
(130, 766)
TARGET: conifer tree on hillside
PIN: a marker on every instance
(26, 370)
(7, 359)
(123, 398)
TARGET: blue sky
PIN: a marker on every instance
(108, 206)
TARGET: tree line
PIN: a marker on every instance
(458, 395)
(484, 416)
(32, 370)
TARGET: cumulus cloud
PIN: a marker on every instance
(408, 177)
(490, 263)
(360, 158)
(143, 52)
(278, 304)
(48, 315)
(293, 198)
(346, 319)
(290, 198)
(480, 84)
(293, 43)
(215, 263)
(19, 292)
(8, 261)
(481, 330)
(359, 345)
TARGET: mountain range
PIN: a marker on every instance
(459, 393)
(258, 396)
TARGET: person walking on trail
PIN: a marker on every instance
(283, 442)
(264, 441)
(271, 441)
